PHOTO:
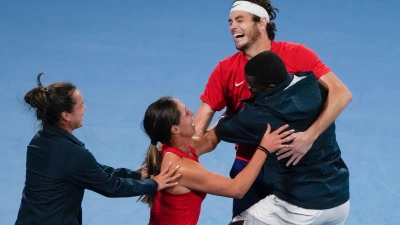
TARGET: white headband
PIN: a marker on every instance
(250, 8)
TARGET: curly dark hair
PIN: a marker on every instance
(267, 68)
(266, 4)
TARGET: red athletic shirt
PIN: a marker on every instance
(174, 209)
(226, 84)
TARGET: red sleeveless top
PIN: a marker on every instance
(177, 209)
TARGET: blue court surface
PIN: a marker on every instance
(123, 55)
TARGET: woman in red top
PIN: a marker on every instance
(168, 121)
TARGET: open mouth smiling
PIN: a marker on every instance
(238, 35)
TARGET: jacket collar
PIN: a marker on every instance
(54, 130)
(294, 103)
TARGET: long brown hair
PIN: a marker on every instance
(158, 120)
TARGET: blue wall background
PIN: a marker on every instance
(123, 55)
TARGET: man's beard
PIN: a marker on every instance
(253, 36)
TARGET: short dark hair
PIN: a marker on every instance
(266, 4)
(267, 68)
(49, 102)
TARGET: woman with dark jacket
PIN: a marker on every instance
(59, 168)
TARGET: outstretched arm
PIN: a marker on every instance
(196, 177)
(338, 98)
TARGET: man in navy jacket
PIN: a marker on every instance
(319, 184)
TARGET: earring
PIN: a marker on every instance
(67, 119)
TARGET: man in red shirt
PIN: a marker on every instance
(253, 32)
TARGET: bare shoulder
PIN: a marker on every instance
(186, 166)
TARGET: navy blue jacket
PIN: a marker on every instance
(321, 179)
(58, 170)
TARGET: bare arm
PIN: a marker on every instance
(205, 143)
(203, 118)
(196, 177)
(338, 98)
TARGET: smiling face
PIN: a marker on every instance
(244, 30)
(186, 127)
(74, 119)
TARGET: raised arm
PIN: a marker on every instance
(203, 118)
(205, 143)
(338, 98)
(196, 177)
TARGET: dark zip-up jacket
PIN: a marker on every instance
(58, 170)
(321, 179)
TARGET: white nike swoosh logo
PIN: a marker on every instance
(238, 84)
(236, 4)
